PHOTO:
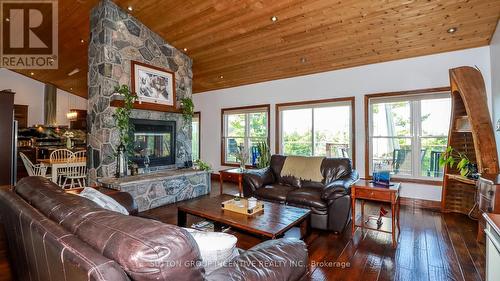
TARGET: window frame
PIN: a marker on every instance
(198, 114)
(267, 109)
(317, 104)
(368, 129)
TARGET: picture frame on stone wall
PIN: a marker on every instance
(153, 84)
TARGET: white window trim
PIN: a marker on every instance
(314, 106)
(415, 129)
(246, 138)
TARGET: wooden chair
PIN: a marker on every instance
(58, 155)
(79, 155)
(33, 170)
(76, 173)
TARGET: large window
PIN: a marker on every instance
(196, 135)
(316, 128)
(243, 127)
(408, 134)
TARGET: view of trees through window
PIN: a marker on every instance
(195, 142)
(317, 131)
(408, 136)
(244, 129)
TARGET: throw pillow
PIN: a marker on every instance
(216, 248)
(103, 200)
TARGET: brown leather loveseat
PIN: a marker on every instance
(53, 235)
(329, 200)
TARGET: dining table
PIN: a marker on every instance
(57, 164)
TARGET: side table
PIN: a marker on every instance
(232, 175)
(365, 190)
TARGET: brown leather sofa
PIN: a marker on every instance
(329, 200)
(53, 235)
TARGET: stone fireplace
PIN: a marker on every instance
(153, 143)
(116, 39)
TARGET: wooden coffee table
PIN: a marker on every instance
(365, 190)
(270, 224)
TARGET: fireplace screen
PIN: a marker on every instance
(153, 142)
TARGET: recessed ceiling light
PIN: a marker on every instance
(7, 19)
(32, 73)
(221, 76)
(74, 71)
(451, 30)
(185, 49)
(82, 41)
(303, 60)
(274, 18)
(71, 89)
(130, 8)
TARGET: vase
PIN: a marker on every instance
(68, 143)
(242, 166)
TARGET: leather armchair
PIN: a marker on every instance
(329, 200)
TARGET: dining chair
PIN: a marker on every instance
(79, 155)
(76, 173)
(33, 170)
(59, 155)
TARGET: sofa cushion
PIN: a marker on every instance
(307, 196)
(216, 248)
(103, 200)
(146, 249)
(335, 168)
(274, 192)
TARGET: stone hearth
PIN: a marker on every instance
(163, 187)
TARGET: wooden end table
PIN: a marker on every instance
(365, 190)
(231, 175)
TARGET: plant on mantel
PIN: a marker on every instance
(122, 116)
(187, 108)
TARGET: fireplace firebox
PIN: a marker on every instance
(153, 142)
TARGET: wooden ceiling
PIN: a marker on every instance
(235, 42)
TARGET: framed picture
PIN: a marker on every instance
(152, 84)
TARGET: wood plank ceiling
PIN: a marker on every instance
(236, 43)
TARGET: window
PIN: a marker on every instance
(243, 127)
(409, 133)
(196, 135)
(316, 128)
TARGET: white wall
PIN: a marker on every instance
(495, 81)
(408, 74)
(31, 92)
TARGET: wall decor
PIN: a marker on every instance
(152, 84)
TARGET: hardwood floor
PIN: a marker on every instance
(432, 246)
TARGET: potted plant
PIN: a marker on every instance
(463, 164)
(241, 156)
(122, 119)
(264, 158)
(187, 108)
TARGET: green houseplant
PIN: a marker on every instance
(264, 158)
(122, 119)
(187, 108)
(463, 164)
(122, 116)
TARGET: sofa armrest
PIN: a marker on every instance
(281, 259)
(340, 187)
(126, 200)
(255, 179)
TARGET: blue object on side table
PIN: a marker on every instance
(382, 178)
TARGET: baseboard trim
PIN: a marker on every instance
(421, 203)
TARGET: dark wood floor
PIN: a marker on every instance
(432, 246)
